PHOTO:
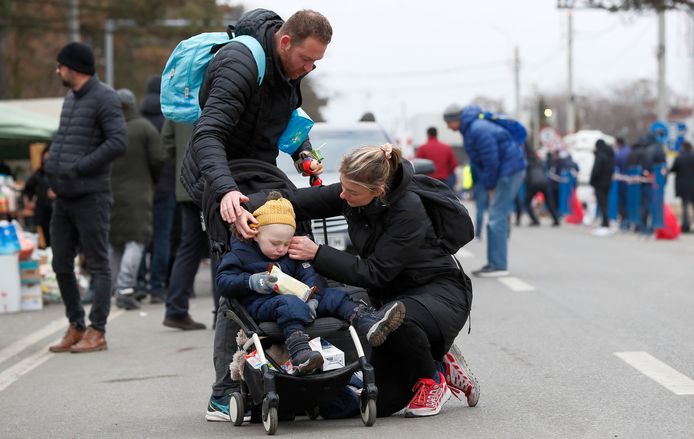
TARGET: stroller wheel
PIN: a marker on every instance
(270, 421)
(236, 408)
(368, 413)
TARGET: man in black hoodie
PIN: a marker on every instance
(601, 180)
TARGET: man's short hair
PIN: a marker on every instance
(620, 140)
(307, 23)
(432, 132)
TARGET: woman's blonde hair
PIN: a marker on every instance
(372, 167)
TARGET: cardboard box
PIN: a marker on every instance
(29, 272)
(333, 358)
(31, 298)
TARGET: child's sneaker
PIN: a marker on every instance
(218, 409)
(429, 397)
(377, 325)
(459, 377)
(304, 360)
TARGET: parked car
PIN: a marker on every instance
(335, 140)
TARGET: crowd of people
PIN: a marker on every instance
(127, 188)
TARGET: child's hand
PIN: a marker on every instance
(263, 283)
(312, 307)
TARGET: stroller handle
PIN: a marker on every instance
(357, 342)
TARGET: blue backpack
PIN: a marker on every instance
(186, 67)
(515, 128)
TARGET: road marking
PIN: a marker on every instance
(661, 373)
(23, 343)
(516, 284)
(462, 253)
(13, 373)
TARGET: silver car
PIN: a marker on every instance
(335, 140)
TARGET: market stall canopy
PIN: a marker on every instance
(29, 120)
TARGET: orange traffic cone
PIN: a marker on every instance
(576, 215)
(671, 229)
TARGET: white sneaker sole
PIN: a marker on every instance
(474, 396)
(217, 417)
(420, 413)
(497, 273)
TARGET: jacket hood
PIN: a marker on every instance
(470, 114)
(256, 23)
(603, 148)
(154, 84)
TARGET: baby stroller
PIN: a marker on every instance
(262, 388)
(270, 392)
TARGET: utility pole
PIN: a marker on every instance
(662, 109)
(570, 109)
(73, 20)
(516, 77)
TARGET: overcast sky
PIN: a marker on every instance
(396, 60)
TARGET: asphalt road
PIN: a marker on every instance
(589, 338)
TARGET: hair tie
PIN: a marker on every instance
(387, 150)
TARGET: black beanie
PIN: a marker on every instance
(77, 56)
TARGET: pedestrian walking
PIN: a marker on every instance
(601, 181)
(164, 208)
(134, 176)
(442, 155)
(499, 160)
(194, 245)
(683, 168)
(91, 134)
(38, 194)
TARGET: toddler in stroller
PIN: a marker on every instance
(243, 276)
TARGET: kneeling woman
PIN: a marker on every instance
(418, 365)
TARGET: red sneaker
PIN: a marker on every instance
(429, 397)
(459, 377)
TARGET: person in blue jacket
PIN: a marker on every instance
(243, 275)
(500, 165)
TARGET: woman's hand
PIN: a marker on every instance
(302, 248)
(243, 222)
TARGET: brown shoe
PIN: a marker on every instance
(71, 337)
(186, 323)
(92, 341)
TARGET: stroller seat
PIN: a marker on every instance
(262, 388)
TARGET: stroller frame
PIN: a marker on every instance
(263, 386)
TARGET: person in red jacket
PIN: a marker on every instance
(442, 155)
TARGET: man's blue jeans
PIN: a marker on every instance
(500, 208)
(481, 204)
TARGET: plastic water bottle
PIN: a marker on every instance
(9, 242)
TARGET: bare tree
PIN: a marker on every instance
(627, 5)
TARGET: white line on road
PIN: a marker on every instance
(23, 343)
(516, 284)
(661, 373)
(12, 374)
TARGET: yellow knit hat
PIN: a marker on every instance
(276, 210)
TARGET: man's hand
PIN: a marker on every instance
(313, 308)
(302, 248)
(230, 206)
(263, 283)
(243, 224)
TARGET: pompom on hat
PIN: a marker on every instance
(276, 210)
(78, 57)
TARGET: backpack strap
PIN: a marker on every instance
(257, 52)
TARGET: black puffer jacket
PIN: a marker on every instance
(239, 118)
(92, 133)
(398, 253)
(603, 166)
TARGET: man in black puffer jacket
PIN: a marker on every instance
(91, 134)
(243, 120)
